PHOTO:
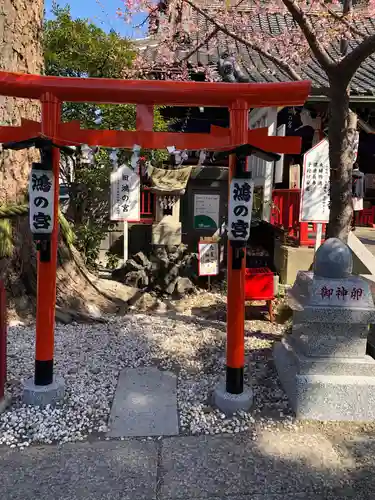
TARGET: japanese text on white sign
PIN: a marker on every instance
(315, 184)
(206, 211)
(125, 194)
(240, 206)
(41, 200)
(208, 253)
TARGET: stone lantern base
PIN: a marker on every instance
(322, 388)
(322, 364)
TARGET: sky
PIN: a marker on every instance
(100, 12)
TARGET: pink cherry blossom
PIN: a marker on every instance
(284, 36)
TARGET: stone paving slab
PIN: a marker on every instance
(276, 462)
(110, 470)
(281, 496)
(145, 404)
(276, 465)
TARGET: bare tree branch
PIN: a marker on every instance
(146, 19)
(344, 43)
(307, 29)
(191, 53)
(280, 63)
(357, 56)
(345, 22)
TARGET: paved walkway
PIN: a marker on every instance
(275, 465)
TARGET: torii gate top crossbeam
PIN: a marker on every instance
(153, 92)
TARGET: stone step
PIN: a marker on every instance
(145, 404)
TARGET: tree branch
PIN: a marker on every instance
(342, 19)
(191, 53)
(307, 29)
(281, 64)
(357, 56)
(142, 23)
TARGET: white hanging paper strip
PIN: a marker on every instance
(180, 156)
(171, 149)
(134, 161)
(87, 154)
(202, 157)
(177, 156)
(114, 159)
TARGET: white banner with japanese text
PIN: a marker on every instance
(125, 194)
(315, 197)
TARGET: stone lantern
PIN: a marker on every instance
(322, 363)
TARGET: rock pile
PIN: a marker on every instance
(167, 271)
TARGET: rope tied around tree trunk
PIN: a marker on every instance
(10, 211)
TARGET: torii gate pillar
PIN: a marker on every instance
(232, 396)
(46, 283)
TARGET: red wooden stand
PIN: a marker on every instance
(259, 285)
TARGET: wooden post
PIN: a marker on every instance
(126, 241)
(46, 285)
(318, 237)
(3, 340)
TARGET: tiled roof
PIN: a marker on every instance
(234, 61)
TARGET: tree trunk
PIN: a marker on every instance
(341, 134)
(21, 24)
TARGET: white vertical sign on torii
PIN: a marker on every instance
(41, 201)
(239, 209)
(315, 184)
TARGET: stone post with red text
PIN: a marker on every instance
(322, 364)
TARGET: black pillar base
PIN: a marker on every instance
(234, 381)
(43, 372)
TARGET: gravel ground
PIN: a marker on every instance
(89, 357)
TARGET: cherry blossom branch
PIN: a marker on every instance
(146, 19)
(307, 29)
(208, 38)
(342, 18)
(357, 56)
(280, 63)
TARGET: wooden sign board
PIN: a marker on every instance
(315, 184)
(125, 194)
(208, 258)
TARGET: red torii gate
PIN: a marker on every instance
(239, 98)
